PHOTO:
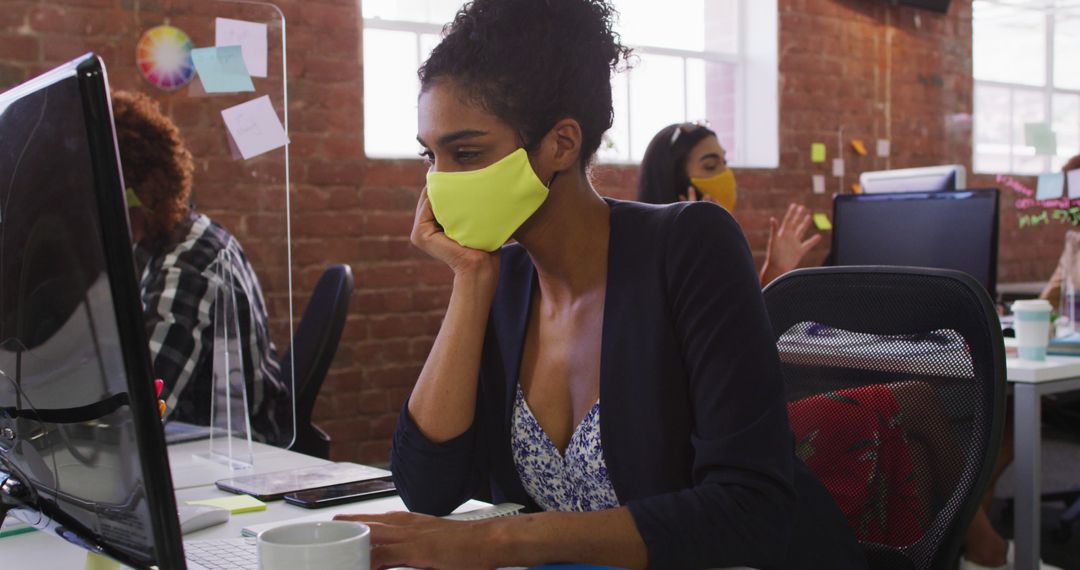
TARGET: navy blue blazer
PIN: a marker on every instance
(693, 419)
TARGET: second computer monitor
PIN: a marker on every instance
(925, 179)
(948, 230)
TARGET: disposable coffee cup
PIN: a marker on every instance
(1032, 325)
(315, 545)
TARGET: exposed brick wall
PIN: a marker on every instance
(878, 71)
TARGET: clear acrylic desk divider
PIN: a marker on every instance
(230, 437)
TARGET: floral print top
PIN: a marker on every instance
(577, 481)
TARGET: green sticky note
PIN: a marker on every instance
(236, 505)
(817, 152)
(1042, 137)
(99, 562)
(822, 222)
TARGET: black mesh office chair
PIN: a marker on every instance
(314, 345)
(895, 382)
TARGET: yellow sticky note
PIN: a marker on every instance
(99, 562)
(236, 504)
(817, 152)
(822, 222)
(859, 147)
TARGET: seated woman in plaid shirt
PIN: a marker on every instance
(175, 248)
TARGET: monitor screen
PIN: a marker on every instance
(945, 230)
(77, 410)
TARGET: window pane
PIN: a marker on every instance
(694, 25)
(1009, 44)
(992, 123)
(616, 143)
(427, 11)
(390, 88)
(721, 81)
(1067, 126)
(656, 99)
(1028, 107)
(1067, 51)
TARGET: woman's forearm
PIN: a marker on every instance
(608, 538)
(443, 402)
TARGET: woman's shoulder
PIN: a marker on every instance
(674, 226)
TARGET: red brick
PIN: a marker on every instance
(20, 47)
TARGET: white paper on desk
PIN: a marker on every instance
(255, 127)
(250, 36)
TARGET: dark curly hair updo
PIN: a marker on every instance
(532, 63)
(156, 164)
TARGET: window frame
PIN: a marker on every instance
(1048, 90)
(746, 11)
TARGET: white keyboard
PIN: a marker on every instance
(224, 554)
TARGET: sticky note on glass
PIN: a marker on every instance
(1051, 186)
(821, 222)
(96, 561)
(838, 167)
(222, 69)
(817, 152)
(235, 505)
(1042, 137)
(883, 148)
(859, 147)
(250, 36)
(1072, 178)
(819, 183)
(255, 127)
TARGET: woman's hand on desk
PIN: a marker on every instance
(608, 538)
(421, 541)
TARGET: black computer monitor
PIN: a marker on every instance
(947, 230)
(82, 454)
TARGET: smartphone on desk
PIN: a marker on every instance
(341, 494)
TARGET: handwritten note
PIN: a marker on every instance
(250, 36)
(255, 127)
(1051, 185)
(838, 167)
(883, 148)
(819, 183)
(817, 152)
(222, 69)
(821, 222)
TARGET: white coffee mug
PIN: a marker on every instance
(1032, 325)
(315, 545)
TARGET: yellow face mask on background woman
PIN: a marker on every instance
(481, 209)
(720, 187)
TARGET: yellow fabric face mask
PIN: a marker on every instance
(720, 187)
(481, 209)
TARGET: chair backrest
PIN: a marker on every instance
(314, 345)
(895, 382)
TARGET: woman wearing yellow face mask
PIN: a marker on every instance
(687, 162)
(604, 370)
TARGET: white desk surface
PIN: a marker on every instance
(190, 470)
(39, 550)
(1053, 369)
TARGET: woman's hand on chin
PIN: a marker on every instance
(429, 237)
(421, 541)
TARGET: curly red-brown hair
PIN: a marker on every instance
(156, 163)
(1072, 164)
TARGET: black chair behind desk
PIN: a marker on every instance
(314, 345)
(895, 383)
